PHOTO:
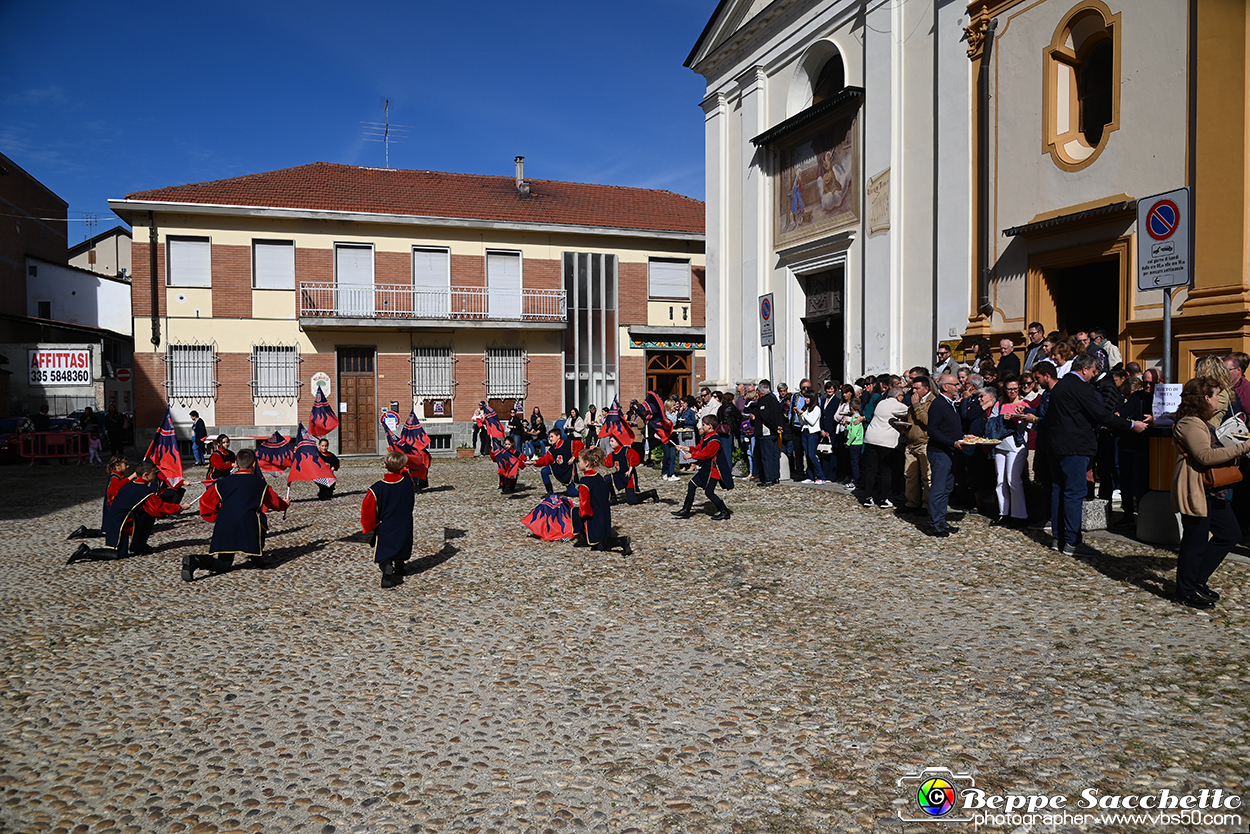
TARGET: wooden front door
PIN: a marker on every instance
(358, 425)
(669, 373)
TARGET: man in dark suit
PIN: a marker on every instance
(1073, 414)
(945, 438)
(1033, 352)
(1009, 363)
(767, 426)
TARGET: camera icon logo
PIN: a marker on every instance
(935, 792)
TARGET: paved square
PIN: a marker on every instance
(774, 673)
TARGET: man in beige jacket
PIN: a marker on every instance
(916, 456)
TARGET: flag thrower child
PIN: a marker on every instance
(715, 467)
(386, 513)
(236, 507)
(626, 460)
(129, 517)
(593, 519)
(560, 460)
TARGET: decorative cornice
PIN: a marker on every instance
(714, 104)
(975, 34)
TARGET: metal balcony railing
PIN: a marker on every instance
(397, 301)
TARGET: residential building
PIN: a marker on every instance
(107, 253)
(64, 332)
(838, 181)
(398, 289)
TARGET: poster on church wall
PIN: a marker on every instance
(818, 182)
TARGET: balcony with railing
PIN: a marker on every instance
(399, 305)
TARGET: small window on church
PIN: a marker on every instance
(830, 82)
(1082, 85)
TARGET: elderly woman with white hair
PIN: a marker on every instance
(881, 443)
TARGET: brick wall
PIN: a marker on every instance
(46, 239)
(546, 377)
(149, 378)
(392, 268)
(232, 283)
(542, 274)
(698, 296)
(632, 374)
(140, 286)
(234, 395)
(468, 271)
(632, 293)
(394, 376)
(314, 265)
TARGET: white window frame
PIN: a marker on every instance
(652, 293)
(433, 373)
(256, 277)
(180, 279)
(275, 373)
(424, 306)
(505, 373)
(195, 381)
(499, 301)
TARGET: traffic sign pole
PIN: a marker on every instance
(1167, 334)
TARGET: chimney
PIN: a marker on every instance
(522, 187)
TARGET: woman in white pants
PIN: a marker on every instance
(1011, 456)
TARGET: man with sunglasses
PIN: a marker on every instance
(946, 363)
(1034, 352)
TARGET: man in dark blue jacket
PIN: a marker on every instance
(768, 420)
(1073, 414)
(945, 438)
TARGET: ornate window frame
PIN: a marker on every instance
(1092, 22)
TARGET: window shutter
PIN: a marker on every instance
(668, 279)
(431, 282)
(273, 265)
(190, 263)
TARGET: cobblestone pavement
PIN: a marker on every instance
(773, 673)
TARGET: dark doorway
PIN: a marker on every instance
(668, 372)
(1086, 296)
(825, 326)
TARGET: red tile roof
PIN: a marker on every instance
(325, 186)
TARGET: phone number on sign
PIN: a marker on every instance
(69, 375)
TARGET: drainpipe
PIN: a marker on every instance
(983, 151)
(156, 310)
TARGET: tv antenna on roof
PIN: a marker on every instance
(385, 132)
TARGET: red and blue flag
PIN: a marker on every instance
(414, 434)
(164, 452)
(491, 420)
(552, 520)
(324, 419)
(418, 458)
(306, 462)
(658, 421)
(274, 454)
(615, 425)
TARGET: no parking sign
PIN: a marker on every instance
(767, 337)
(1163, 238)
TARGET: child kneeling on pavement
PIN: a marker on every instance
(592, 522)
(386, 513)
(236, 508)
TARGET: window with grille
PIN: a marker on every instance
(275, 372)
(433, 373)
(505, 373)
(191, 372)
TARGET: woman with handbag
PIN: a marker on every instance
(1007, 425)
(811, 439)
(1204, 471)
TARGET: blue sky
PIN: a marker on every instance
(100, 100)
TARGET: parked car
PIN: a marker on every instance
(65, 424)
(10, 428)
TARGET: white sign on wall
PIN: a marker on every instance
(59, 367)
(321, 382)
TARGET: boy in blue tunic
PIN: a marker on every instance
(715, 467)
(386, 512)
(592, 522)
(236, 506)
(129, 516)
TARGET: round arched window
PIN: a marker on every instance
(1082, 85)
(830, 82)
